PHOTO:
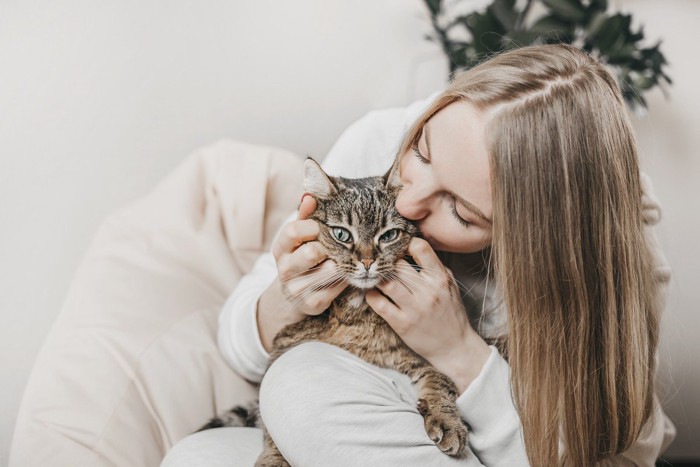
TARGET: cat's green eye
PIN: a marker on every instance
(389, 235)
(341, 234)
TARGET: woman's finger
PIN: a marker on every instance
(382, 306)
(328, 294)
(424, 255)
(309, 255)
(302, 259)
(313, 291)
(403, 285)
(454, 288)
(293, 235)
(307, 206)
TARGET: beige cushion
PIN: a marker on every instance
(131, 364)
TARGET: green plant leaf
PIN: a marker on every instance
(625, 23)
(486, 30)
(596, 24)
(505, 13)
(458, 57)
(548, 24)
(623, 55)
(586, 21)
(517, 39)
(598, 6)
(638, 36)
(609, 35)
(640, 81)
(435, 6)
(571, 10)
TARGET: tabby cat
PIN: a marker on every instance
(365, 235)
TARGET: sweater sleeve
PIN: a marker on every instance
(487, 405)
(239, 338)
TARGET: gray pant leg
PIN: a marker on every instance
(325, 407)
(218, 447)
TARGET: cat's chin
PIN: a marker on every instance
(364, 282)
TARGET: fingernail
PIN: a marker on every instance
(304, 196)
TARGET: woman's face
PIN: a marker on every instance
(446, 181)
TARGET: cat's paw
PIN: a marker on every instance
(446, 430)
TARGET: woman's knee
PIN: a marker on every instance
(298, 375)
(325, 406)
(315, 381)
(218, 447)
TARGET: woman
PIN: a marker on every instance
(524, 176)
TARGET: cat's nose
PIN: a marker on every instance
(367, 262)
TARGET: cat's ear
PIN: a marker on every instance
(392, 179)
(316, 182)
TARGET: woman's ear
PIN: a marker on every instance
(392, 179)
(316, 182)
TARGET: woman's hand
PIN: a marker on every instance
(428, 314)
(307, 281)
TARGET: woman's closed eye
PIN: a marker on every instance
(416, 152)
(456, 215)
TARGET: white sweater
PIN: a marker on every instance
(367, 148)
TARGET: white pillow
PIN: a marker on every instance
(131, 364)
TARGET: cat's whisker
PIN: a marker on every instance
(462, 285)
(407, 277)
(299, 297)
(318, 285)
(402, 281)
(330, 280)
(463, 288)
(313, 276)
(294, 276)
(311, 283)
(418, 286)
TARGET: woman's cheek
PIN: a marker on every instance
(457, 239)
(476, 240)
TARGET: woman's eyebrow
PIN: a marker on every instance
(469, 206)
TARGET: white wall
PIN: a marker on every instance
(99, 100)
(669, 141)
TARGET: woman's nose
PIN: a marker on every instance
(413, 202)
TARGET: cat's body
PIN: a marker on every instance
(363, 211)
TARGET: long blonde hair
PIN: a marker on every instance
(568, 249)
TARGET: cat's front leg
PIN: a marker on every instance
(437, 396)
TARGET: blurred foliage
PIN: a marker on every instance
(584, 23)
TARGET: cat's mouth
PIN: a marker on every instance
(364, 282)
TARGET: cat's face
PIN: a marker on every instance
(360, 227)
